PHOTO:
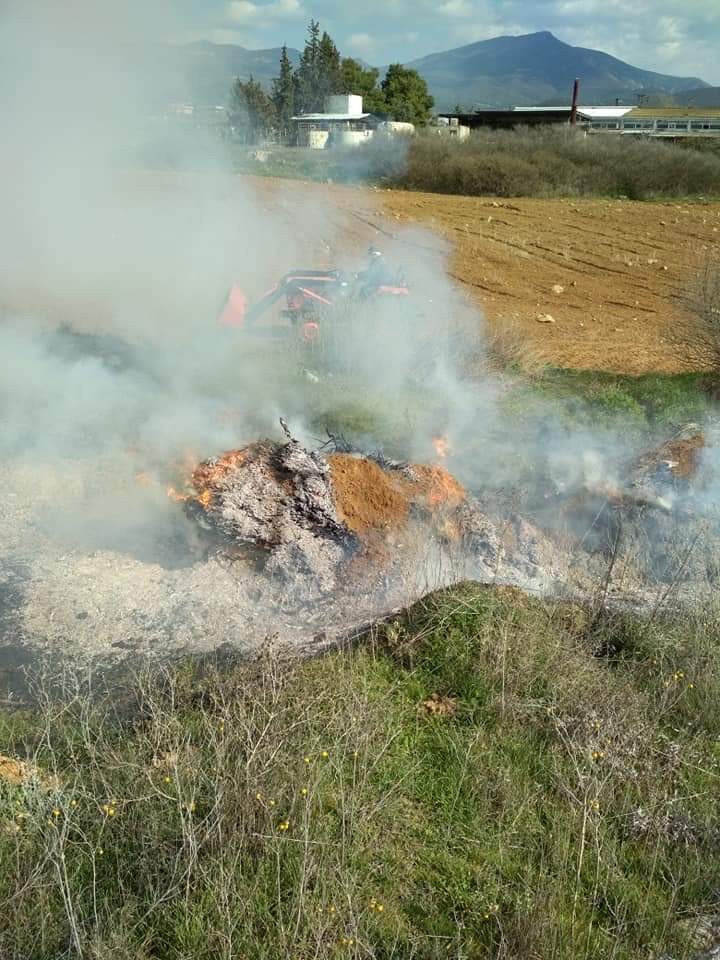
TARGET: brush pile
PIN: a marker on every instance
(305, 518)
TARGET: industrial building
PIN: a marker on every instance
(507, 117)
(664, 122)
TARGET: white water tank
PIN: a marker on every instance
(396, 128)
(352, 138)
(347, 104)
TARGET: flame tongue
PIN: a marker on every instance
(442, 447)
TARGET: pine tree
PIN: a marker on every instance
(329, 74)
(309, 96)
(283, 91)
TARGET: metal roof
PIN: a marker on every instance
(590, 112)
(331, 116)
(672, 113)
(601, 113)
(540, 109)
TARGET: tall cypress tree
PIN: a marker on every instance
(329, 72)
(308, 93)
(283, 91)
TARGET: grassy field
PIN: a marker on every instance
(487, 776)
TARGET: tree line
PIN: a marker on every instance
(402, 94)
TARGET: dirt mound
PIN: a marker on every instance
(436, 488)
(368, 498)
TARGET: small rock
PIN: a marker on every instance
(557, 288)
(545, 318)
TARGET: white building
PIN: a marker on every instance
(343, 123)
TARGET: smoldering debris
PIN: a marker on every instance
(278, 500)
(309, 520)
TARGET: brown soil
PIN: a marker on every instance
(14, 772)
(368, 499)
(615, 276)
(626, 268)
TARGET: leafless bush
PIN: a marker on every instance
(554, 161)
(705, 293)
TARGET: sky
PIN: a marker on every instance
(663, 35)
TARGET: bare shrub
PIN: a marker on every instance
(705, 293)
(548, 162)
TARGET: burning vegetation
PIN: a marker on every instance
(302, 516)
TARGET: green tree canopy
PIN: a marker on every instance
(406, 95)
(354, 78)
(252, 112)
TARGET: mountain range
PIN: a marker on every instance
(536, 68)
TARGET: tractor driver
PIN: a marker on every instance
(377, 273)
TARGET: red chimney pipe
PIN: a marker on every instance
(573, 110)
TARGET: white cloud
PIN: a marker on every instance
(457, 8)
(661, 35)
(247, 13)
(361, 43)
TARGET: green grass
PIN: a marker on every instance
(319, 809)
(645, 404)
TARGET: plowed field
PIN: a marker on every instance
(615, 277)
(626, 269)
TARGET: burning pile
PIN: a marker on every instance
(303, 516)
(276, 501)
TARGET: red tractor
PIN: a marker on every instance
(318, 299)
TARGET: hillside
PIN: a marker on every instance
(702, 97)
(536, 68)
(203, 72)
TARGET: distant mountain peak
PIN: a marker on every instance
(535, 68)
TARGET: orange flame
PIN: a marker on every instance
(444, 489)
(176, 495)
(442, 447)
